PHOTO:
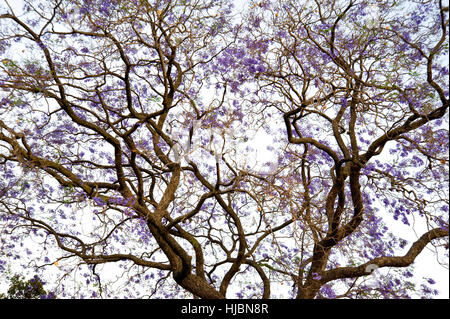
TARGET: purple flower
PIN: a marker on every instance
(431, 281)
(98, 201)
(316, 276)
(408, 274)
(328, 292)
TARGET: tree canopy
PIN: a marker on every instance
(203, 152)
(30, 289)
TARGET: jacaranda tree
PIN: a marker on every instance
(129, 137)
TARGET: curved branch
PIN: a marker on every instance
(403, 261)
